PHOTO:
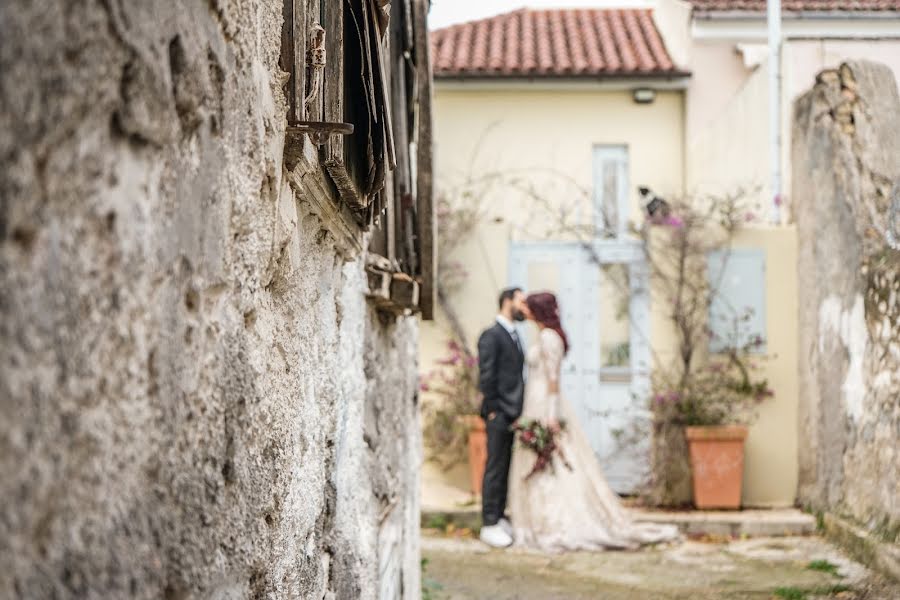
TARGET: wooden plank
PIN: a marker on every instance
(286, 61)
(339, 19)
(427, 224)
(383, 88)
(390, 218)
(379, 284)
(333, 86)
(404, 292)
(299, 14)
(313, 17)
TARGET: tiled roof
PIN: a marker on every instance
(797, 5)
(560, 43)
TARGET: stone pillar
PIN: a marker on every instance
(846, 164)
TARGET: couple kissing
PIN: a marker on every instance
(557, 496)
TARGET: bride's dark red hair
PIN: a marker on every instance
(545, 311)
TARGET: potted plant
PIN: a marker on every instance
(453, 429)
(715, 404)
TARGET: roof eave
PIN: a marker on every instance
(638, 76)
(756, 15)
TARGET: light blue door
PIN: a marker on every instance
(604, 306)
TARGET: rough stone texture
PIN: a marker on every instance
(197, 401)
(846, 159)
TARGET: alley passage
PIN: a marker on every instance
(792, 568)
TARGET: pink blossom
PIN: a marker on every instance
(471, 361)
(749, 217)
(673, 221)
(778, 200)
(423, 386)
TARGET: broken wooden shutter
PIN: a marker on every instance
(356, 91)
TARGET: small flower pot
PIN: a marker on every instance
(717, 465)
(477, 452)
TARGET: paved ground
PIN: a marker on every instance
(791, 568)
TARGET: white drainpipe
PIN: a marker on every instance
(774, 19)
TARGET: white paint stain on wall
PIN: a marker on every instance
(849, 327)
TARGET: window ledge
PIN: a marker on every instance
(309, 182)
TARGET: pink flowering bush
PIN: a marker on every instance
(724, 391)
(450, 395)
(700, 386)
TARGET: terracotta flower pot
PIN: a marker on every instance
(477, 452)
(717, 465)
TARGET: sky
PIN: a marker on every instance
(448, 12)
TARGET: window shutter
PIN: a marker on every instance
(740, 276)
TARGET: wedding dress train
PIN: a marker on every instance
(560, 509)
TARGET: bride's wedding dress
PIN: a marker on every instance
(560, 509)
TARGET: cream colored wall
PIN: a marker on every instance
(728, 108)
(727, 139)
(539, 135)
(771, 468)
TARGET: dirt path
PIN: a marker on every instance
(804, 568)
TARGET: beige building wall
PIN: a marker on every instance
(727, 107)
(546, 135)
(770, 473)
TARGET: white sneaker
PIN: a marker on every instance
(495, 536)
(506, 525)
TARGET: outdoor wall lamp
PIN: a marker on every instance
(644, 95)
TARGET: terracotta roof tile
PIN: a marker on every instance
(797, 5)
(554, 43)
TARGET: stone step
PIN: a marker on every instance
(735, 524)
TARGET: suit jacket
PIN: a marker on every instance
(500, 363)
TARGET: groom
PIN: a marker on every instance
(501, 358)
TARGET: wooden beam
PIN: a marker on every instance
(425, 212)
(286, 61)
(404, 292)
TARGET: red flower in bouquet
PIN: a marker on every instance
(543, 441)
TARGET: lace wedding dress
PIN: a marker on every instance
(557, 509)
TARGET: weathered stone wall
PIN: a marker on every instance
(846, 159)
(197, 401)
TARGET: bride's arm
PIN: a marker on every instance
(552, 355)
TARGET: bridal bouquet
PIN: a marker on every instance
(542, 440)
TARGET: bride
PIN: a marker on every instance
(559, 509)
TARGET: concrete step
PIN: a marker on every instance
(734, 524)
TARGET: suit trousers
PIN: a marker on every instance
(495, 486)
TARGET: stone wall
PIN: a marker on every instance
(846, 157)
(197, 400)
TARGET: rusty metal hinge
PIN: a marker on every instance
(316, 59)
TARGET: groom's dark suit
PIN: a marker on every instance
(500, 362)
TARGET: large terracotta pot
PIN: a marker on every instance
(717, 465)
(477, 452)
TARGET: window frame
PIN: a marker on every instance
(620, 154)
(399, 218)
